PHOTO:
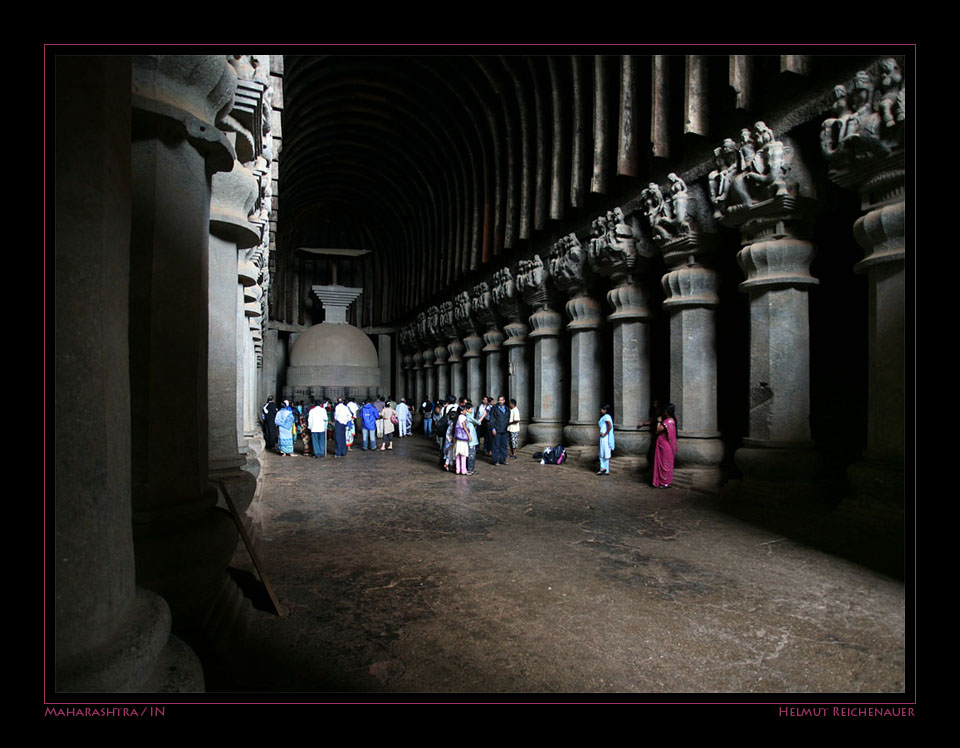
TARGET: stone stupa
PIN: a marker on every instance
(333, 359)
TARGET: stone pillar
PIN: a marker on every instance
(585, 370)
(271, 352)
(429, 375)
(631, 370)
(867, 154)
(418, 375)
(406, 384)
(691, 293)
(458, 381)
(110, 635)
(233, 196)
(691, 300)
(473, 356)
(546, 428)
(778, 281)
(518, 367)
(183, 542)
(762, 187)
(613, 252)
(493, 350)
(506, 297)
(443, 372)
(385, 354)
(570, 272)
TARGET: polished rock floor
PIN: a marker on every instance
(400, 577)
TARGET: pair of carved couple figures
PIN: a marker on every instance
(867, 119)
(750, 171)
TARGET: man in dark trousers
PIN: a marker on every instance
(499, 418)
(268, 414)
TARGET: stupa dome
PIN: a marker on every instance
(333, 355)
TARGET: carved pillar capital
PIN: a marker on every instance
(781, 262)
(474, 345)
(880, 233)
(690, 286)
(493, 340)
(585, 313)
(516, 332)
(545, 323)
(629, 302)
(185, 96)
(232, 199)
(455, 348)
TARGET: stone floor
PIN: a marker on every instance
(544, 579)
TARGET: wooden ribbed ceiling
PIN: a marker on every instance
(439, 164)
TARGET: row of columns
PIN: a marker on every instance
(760, 188)
(142, 547)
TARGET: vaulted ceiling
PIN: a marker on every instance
(440, 164)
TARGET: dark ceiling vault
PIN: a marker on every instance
(440, 164)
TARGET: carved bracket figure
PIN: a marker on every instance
(868, 117)
(568, 264)
(613, 248)
(751, 172)
(669, 217)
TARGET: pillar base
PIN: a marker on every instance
(581, 434)
(789, 464)
(635, 464)
(545, 434)
(634, 442)
(187, 565)
(878, 480)
(140, 657)
(698, 478)
(177, 671)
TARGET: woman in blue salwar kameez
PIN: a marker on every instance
(285, 420)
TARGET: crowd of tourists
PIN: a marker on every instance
(324, 425)
(460, 429)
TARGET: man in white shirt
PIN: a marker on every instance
(341, 417)
(317, 423)
(513, 428)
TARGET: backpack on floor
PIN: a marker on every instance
(554, 456)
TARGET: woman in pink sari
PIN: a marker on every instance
(666, 450)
